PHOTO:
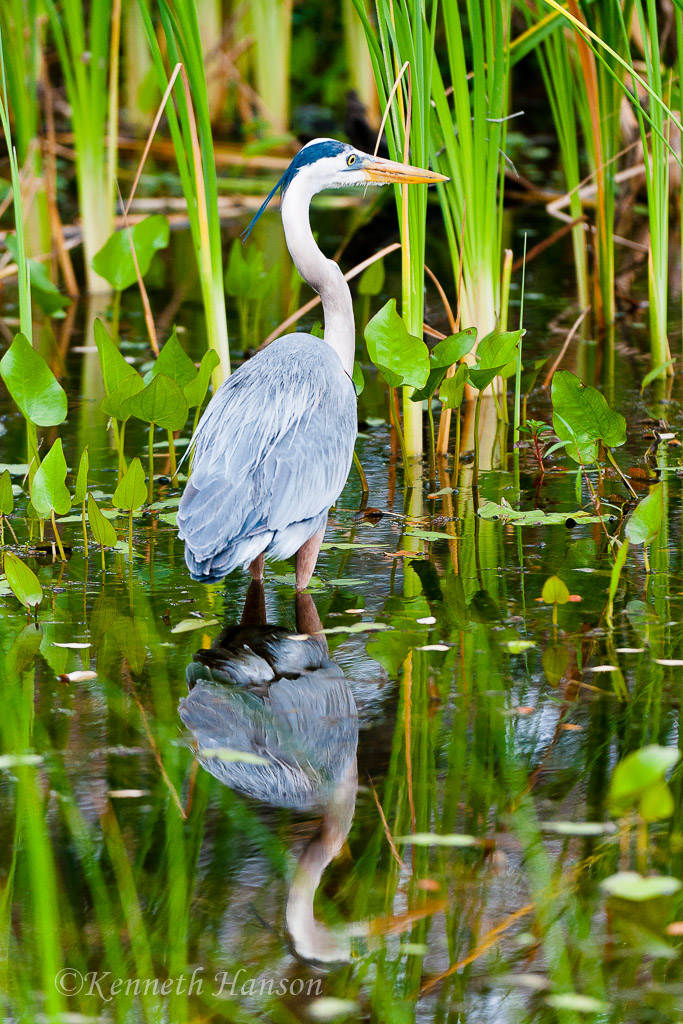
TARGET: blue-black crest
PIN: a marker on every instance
(308, 155)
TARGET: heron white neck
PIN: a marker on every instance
(322, 274)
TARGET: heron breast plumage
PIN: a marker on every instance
(270, 456)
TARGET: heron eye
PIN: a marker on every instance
(351, 160)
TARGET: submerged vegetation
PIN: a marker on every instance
(497, 610)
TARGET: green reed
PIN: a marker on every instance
(190, 130)
(469, 148)
(92, 91)
(270, 24)
(403, 35)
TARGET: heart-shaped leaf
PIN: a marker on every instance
(174, 362)
(115, 369)
(23, 581)
(114, 262)
(131, 492)
(400, 357)
(582, 417)
(32, 384)
(116, 404)
(48, 489)
(555, 591)
(195, 391)
(451, 350)
(645, 521)
(161, 402)
(452, 389)
(102, 530)
(494, 353)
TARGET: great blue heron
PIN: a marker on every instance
(261, 691)
(273, 450)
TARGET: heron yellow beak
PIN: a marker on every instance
(390, 171)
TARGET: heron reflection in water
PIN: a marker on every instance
(260, 690)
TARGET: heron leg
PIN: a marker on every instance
(256, 567)
(306, 558)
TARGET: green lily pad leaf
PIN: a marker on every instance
(115, 369)
(43, 290)
(452, 389)
(23, 581)
(400, 357)
(6, 494)
(161, 402)
(114, 261)
(536, 517)
(577, 1001)
(430, 839)
(645, 522)
(102, 530)
(49, 490)
(451, 350)
(629, 885)
(495, 351)
(32, 384)
(555, 591)
(116, 404)
(174, 361)
(81, 489)
(371, 281)
(131, 492)
(195, 390)
(582, 417)
(637, 773)
(188, 625)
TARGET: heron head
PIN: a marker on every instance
(328, 163)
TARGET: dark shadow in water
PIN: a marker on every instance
(260, 690)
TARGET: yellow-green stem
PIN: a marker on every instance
(57, 537)
(171, 453)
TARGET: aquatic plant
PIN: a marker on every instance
(92, 91)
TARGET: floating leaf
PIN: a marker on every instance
(400, 357)
(6, 494)
(174, 361)
(102, 530)
(577, 1001)
(579, 828)
(582, 417)
(131, 492)
(115, 369)
(645, 521)
(430, 839)
(81, 489)
(555, 591)
(161, 402)
(629, 885)
(32, 384)
(48, 489)
(187, 625)
(23, 581)
(536, 517)
(114, 261)
(196, 389)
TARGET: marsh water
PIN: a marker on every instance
(403, 818)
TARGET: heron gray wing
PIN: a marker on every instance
(273, 449)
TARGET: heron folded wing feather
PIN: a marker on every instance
(273, 448)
